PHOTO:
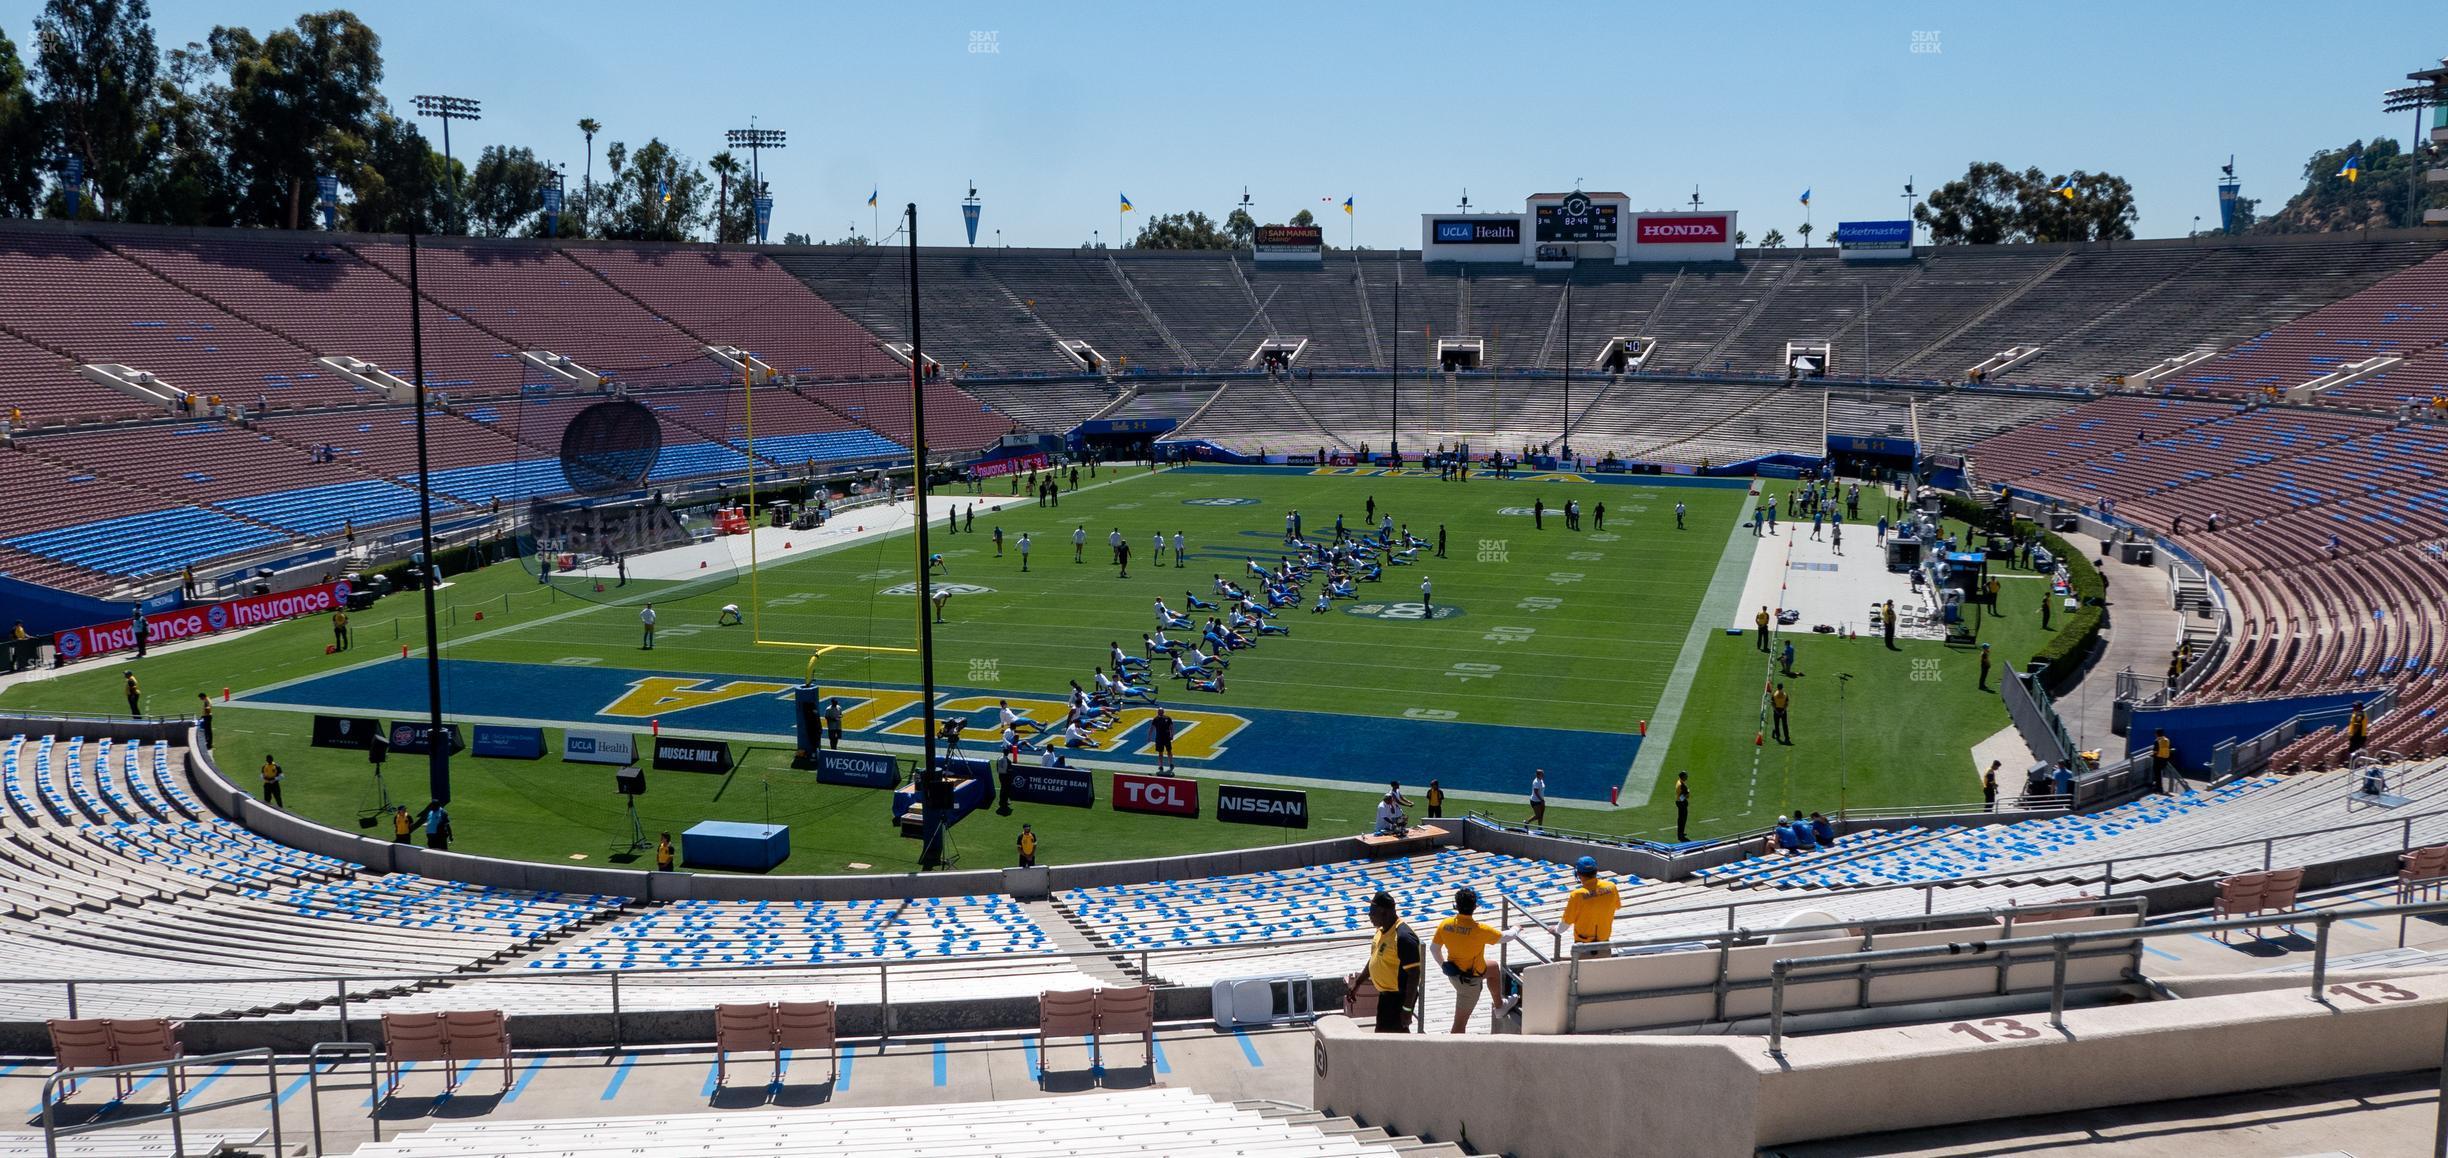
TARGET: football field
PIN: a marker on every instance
(1538, 646)
(1548, 648)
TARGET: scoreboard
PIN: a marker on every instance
(1576, 218)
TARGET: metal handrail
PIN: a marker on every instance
(2108, 865)
(314, 1083)
(178, 1109)
(1868, 963)
(614, 978)
(1864, 928)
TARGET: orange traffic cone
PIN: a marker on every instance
(480, 615)
(329, 648)
(1644, 727)
(599, 587)
(225, 694)
(403, 651)
(1759, 739)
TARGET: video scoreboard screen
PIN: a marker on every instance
(1576, 219)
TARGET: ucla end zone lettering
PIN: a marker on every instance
(607, 711)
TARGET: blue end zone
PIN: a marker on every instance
(1361, 751)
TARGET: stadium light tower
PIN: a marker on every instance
(448, 109)
(754, 140)
(2429, 90)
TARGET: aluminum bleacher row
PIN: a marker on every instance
(2327, 540)
(148, 499)
(2156, 838)
(1137, 1122)
(115, 872)
(2404, 314)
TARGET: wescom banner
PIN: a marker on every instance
(203, 619)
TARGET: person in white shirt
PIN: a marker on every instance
(1023, 544)
(1079, 544)
(1114, 540)
(1427, 599)
(1159, 555)
(1077, 736)
(1177, 547)
(729, 616)
(1390, 819)
(646, 619)
(1012, 720)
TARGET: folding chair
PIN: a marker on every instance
(1065, 1013)
(806, 1025)
(411, 1037)
(82, 1043)
(743, 1029)
(148, 1039)
(1130, 1010)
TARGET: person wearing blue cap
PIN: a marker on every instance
(1460, 946)
(1590, 908)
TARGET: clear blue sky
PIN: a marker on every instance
(1402, 105)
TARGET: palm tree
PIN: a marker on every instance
(1774, 240)
(725, 166)
(1805, 231)
(590, 126)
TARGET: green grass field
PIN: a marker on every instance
(1557, 632)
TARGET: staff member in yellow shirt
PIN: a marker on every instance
(663, 854)
(401, 826)
(1393, 966)
(1436, 800)
(1590, 907)
(272, 775)
(1460, 945)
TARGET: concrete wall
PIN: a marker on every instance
(1543, 1097)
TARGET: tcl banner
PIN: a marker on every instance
(1168, 795)
(1682, 229)
(202, 619)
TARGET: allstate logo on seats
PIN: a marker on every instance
(1402, 611)
(939, 588)
(1220, 502)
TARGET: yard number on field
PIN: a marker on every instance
(1466, 672)
(1539, 603)
(1505, 635)
(1562, 577)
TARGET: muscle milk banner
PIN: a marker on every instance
(203, 619)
